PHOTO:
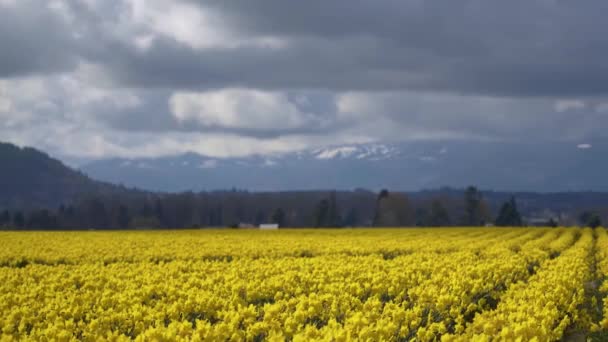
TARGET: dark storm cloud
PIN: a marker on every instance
(172, 65)
(34, 39)
(515, 48)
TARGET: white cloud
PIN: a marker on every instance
(238, 109)
(144, 42)
(5, 102)
(8, 3)
(195, 26)
(584, 146)
(568, 105)
(68, 99)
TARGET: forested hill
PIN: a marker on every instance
(30, 179)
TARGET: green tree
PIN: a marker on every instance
(322, 213)
(259, 218)
(5, 218)
(351, 218)
(333, 213)
(378, 211)
(278, 217)
(159, 212)
(474, 207)
(18, 219)
(421, 216)
(590, 219)
(552, 223)
(595, 221)
(438, 215)
(393, 210)
(509, 215)
(42, 219)
(124, 218)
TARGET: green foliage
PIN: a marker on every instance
(509, 215)
(590, 219)
(18, 219)
(393, 210)
(327, 213)
(438, 215)
(474, 206)
(31, 179)
(278, 217)
(124, 218)
(5, 218)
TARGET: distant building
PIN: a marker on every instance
(246, 225)
(269, 226)
(542, 218)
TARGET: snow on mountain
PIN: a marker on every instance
(342, 152)
(369, 151)
(208, 164)
(408, 165)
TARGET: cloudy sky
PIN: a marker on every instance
(95, 78)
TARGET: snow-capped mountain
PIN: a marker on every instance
(369, 152)
(403, 166)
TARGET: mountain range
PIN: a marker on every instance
(30, 178)
(412, 166)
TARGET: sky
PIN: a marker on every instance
(136, 78)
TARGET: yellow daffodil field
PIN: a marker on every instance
(435, 284)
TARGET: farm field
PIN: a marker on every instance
(447, 284)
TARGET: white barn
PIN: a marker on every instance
(269, 226)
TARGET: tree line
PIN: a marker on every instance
(236, 208)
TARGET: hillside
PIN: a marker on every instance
(30, 178)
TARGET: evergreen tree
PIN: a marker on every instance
(472, 201)
(333, 214)
(146, 210)
(438, 215)
(42, 219)
(160, 213)
(377, 212)
(259, 218)
(18, 220)
(351, 218)
(393, 210)
(322, 213)
(93, 213)
(590, 219)
(595, 221)
(278, 217)
(5, 218)
(552, 223)
(124, 218)
(509, 215)
(421, 216)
